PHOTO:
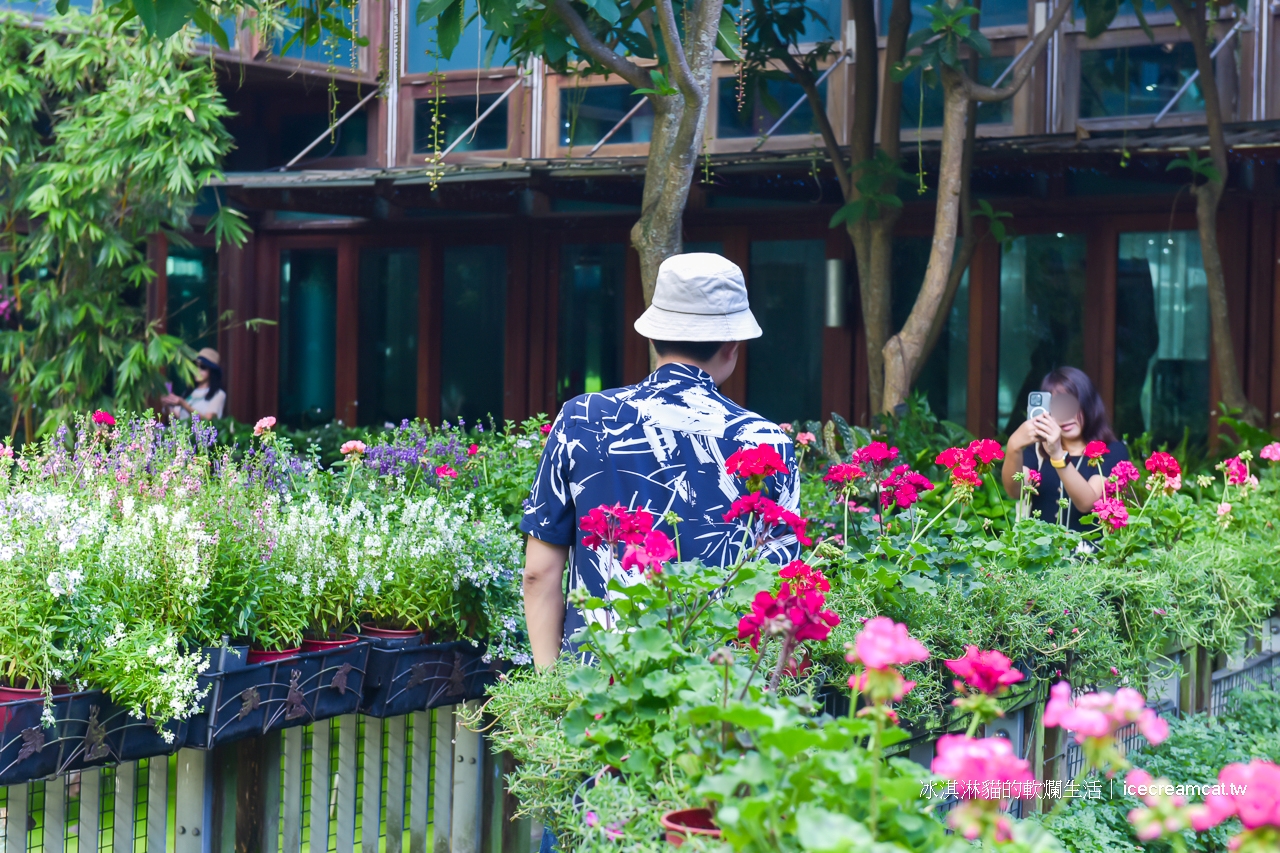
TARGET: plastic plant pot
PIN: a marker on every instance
(28, 749)
(329, 644)
(390, 638)
(96, 730)
(263, 656)
(681, 825)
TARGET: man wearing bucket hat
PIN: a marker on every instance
(659, 445)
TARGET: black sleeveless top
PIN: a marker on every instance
(1051, 488)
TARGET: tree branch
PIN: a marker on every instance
(596, 49)
(988, 95)
(675, 52)
(895, 48)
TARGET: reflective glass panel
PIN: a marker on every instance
(1042, 280)
(456, 115)
(473, 332)
(592, 278)
(928, 113)
(192, 276)
(387, 361)
(474, 50)
(1137, 80)
(349, 139)
(995, 13)
(784, 367)
(308, 331)
(763, 101)
(1162, 338)
(944, 379)
(328, 49)
(587, 113)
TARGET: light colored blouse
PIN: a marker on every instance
(203, 404)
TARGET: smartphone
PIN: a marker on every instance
(1038, 404)
(168, 386)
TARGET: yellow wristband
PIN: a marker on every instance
(1058, 463)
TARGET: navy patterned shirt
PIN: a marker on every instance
(661, 446)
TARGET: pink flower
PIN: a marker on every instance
(1111, 512)
(953, 456)
(1166, 812)
(1223, 509)
(353, 447)
(986, 450)
(843, 473)
(1094, 451)
(611, 525)
(903, 487)
(6, 451)
(545, 429)
(762, 461)
(985, 769)
(1122, 475)
(882, 684)
(1099, 715)
(965, 477)
(1250, 792)
(883, 643)
(985, 671)
(444, 472)
(591, 819)
(785, 427)
(805, 438)
(649, 556)
(877, 454)
(803, 577)
(1237, 471)
(975, 818)
(103, 418)
(800, 616)
(1162, 463)
(1033, 477)
(473, 450)
(766, 611)
(1271, 452)
(769, 513)
(263, 425)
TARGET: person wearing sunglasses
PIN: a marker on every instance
(207, 400)
(1053, 444)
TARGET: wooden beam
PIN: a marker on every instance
(984, 339)
(515, 392)
(1101, 260)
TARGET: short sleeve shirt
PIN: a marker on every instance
(659, 445)
(1051, 488)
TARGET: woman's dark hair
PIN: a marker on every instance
(1073, 381)
(215, 377)
(702, 351)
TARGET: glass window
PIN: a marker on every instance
(995, 13)
(763, 101)
(587, 113)
(387, 360)
(1042, 279)
(308, 335)
(328, 49)
(349, 139)
(1162, 338)
(784, 367)
(456, 115)
(592, 278)
(825, 27)
(43, 7)
(928, 113)
(473, 332)
(1137, 80)
(944, 379)
(421, 56)
(192, 275)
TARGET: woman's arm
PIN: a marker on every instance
(1022, 438)
(1083, 490)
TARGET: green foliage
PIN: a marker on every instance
(1198, 166)
(941, 44)
(107, 138)
(874, 176)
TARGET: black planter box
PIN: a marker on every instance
(28, 750)
(97, 731)
(402, 680)
(263, 697)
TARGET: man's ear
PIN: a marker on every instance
(728, 350)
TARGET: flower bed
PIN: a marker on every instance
(133, 547)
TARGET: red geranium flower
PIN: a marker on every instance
(613, 525)
(649, 556)
(1094, 451)
(103, 418)
(988, 672)
(766, 608)
(986, 450)
(903, 487)
(803, 577)
(953, 456)
(769, 513)
(1163, 463)
(762, 461)
(843, 473)
(876, 453)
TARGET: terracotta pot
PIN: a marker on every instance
(17, 694)
(327, 644)
(390, 633)
(686, 822)
(263, 656)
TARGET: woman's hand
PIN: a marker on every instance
(1024, 436)
(171, 400)
(1049, 434)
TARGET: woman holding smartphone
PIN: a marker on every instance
(1053, 444)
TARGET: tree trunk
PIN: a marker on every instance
(903, 350)
(657, 234)
(1207, 196)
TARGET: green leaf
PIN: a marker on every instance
(1098, 15)
(727, 41)
(163, 18)
(607, 9)
(428, 9)
(449, 29)
(822, 831)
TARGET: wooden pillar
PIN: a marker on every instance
(837, 343)
(635, 352)
(347, 335)
(237, 285)
(515, 393)
(266, 305)
(984, 339)
(1101, 259)
(1257, 376)
(1274, 412)
(737, 248)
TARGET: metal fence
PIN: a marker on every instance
(1260, 671)
(417, 783)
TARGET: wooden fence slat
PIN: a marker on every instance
(271, 793)
(371, 805)
(15, 825)
(348, 757)
(157, 803)
(54, 834)
(126, 792)
(395, 784)
(465, 828)
(189, 804)
(291, 818)
(320, 787)
(90, 810)
(442, 790)
(420, 781)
